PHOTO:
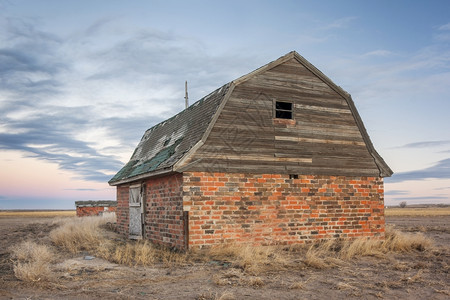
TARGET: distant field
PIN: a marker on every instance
(37, 213)
(417, 211)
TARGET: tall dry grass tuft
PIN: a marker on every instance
(252, 259)
(319, 254)
(325, 254)
(144, 253)
(397, 241)
(134, 253)
(32, 261)
(360, 247)
(77, 234)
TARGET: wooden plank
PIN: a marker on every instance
(325, 149)
(293, 68)
(299, 96)
(260, 158)
(313, 118)
(272, 89)
(293, 87)
(311, 140)
(316, 108)
(302, 151)
(319, 132)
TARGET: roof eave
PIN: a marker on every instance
(157, 173)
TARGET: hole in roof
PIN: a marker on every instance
(166, 142)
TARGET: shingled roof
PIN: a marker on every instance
(167, 142)
(165, 147)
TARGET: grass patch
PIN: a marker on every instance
(87, 234)
(252, 259)
(80, 234)
(397, 241)
(138, 253)
(215, 296)
(32, 261)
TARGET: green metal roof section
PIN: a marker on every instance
(164, 144)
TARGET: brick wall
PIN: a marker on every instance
(273, 209)
(93, 210)
(163, 210)
(123, 209)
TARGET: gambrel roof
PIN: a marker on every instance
(167, 142)
(168, 146)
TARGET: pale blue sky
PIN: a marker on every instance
(80, 82)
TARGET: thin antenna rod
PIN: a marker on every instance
(186, 95)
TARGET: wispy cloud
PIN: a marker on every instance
(426, 144)
(444, 188)
(443, 34)
(425, 199)
(445, 27)
(84, 105)
(441, 170)
(379, 53)
(396, 192)
(340, 23)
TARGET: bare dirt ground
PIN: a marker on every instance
(413, 275)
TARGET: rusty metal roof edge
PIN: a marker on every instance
(160, 172)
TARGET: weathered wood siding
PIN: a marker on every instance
(322, 138)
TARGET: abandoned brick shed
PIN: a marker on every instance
(278, 156)
(95, 208)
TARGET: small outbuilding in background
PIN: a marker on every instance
(95, 208)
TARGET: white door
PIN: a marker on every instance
(136, 209)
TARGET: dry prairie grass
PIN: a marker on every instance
(215, 296)
(331, 253)
(252, 259)
(78, 234)
(138, 253)
(415, 211)
(85, 234)
(32, 261)
(397, 241)
(38, 214)
(314, 270)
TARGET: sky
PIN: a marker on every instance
(80, 82)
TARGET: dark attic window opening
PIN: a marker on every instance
(283, 110)
(166, 142)
(293, 176)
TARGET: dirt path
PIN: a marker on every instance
(418, 275)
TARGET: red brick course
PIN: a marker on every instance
(93, 210)
(273, 209)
